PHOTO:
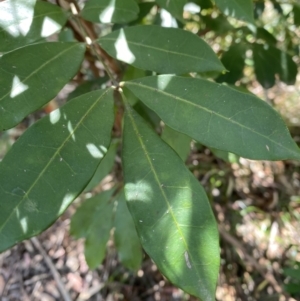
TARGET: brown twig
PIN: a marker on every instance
(64, 293)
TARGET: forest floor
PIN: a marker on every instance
(256, 203)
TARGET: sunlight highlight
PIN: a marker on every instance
(163, 82)
(108, 12)
(68, 199)
(140, 191)
(167, 19)
(54, 116)
(24, 224)
(122, 49)
(49, 27)
(95, 151)
(17, 16)
(17, 87)
(71, 130)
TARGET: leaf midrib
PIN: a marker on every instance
(41, 66)
(159, 184)
(159, 49)
(213, 113)
(26, 195)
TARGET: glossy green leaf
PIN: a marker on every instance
(93, 220)
(110, 11)
(217, 116)
(239, 9)
(33, 75)
(164, 50)
(15, 18)
(234, 62)
(51, 163)
(296, 13)
(269, 61)
(175, 7)
(88, 86)
(104, 167)
(25, 22)
(126, 239)
(178, 141)
(170, 209)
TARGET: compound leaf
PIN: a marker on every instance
(107, 11)
(164, 50)
(51, 163)
(217, 116)
(33, 75)
(170, 210)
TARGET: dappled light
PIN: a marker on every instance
(18, 22)
(61, 157)
(96, 152)
(123, 51)
(140, 191)
(17, 87)
(167, 20)
(107, 14)
(54, 116)
(49, 27)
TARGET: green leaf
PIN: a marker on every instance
(296, 12)
(110, 11)
(171, 211)
(23, 23)
(51, 163)
(88, 86)
(239, 9)
(217, 116)
(263, 34)
(175, 7)
(93, 220)
(126, 239)
(293, 273)
(28, 81)
(234, 62)
(269, 61)
(164, 50)
(104, 167)
(178, 141)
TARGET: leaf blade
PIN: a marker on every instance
(93, 220)
(42, 174)
(238, 9)
(164, 50)
(169, 207)
(126, 239)
(28, 84)
(45, 19)
(221, 118)
(106, 11)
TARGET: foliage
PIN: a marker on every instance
(156, 74)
